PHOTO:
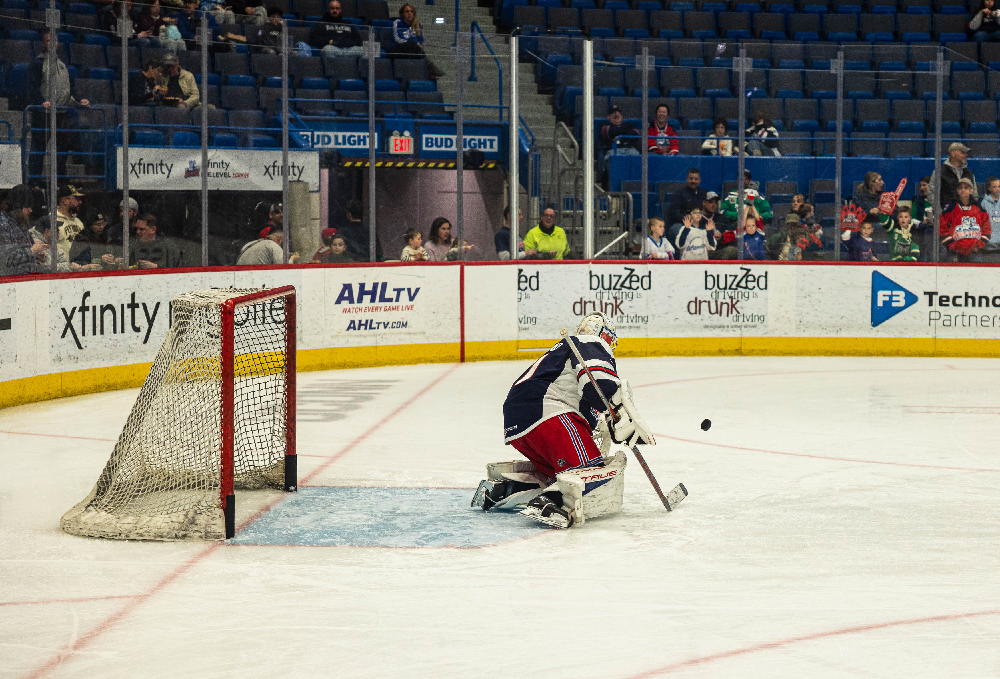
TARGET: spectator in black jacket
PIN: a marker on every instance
(143, 89)
(268, 37)
(334, 36)
(688, 197)
(616, 128)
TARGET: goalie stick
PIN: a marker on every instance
(679, 492)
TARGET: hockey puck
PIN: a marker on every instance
(706, 425)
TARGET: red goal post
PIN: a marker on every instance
(228, 410)
(215, 413)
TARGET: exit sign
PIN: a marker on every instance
(401, 145)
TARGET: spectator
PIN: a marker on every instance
(501, 241)
(902, 247)
(725, 228)
(718, 143)
(985, 23)
(334, 248)
(67, 221)
(860, 246)
(142, 38)
(147, 251)
(19, 252)
(338, 251)
(143, 86)
(189, 26)
(150, 18)
(356, 234)
(869, 193)
(814, 231)
(413, 252)
(267, 249)
(953, 169)
(922, 216)
(546, 241)
(92, 244)
(170, 35)
(662, 138)
(797, 201)
(439, 241)
(38, 89)
(41, 234)
(991, 205)
(753, 236)
(408, 39)
(268, 36)
(179, 86)
(750, 195)
(218, 10)
(778, 245)
(689, 196)
(655, 246)
(694, 242)
(334, 36)
(116, 231)
(763, 138)
(616, 128)
(965, 227)
(249, 11)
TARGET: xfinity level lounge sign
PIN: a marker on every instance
(180, 169)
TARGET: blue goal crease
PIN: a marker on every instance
(382, 517)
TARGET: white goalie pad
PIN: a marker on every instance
(521, 471)
(594, 491)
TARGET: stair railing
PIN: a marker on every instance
(472, 68)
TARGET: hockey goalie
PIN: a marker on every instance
(554, 416)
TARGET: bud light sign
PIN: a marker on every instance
(439, 141)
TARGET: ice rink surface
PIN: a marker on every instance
(843, 521)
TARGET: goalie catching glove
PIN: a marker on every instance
(629, 429)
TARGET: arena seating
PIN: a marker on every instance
(244, 88)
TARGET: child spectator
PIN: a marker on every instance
(718, 143)
(901, 245)
(655, 246)
(662, 138)
(991, 205)
(798, 200)
(694, 242)
(329, 253)
(753, 236)
(413, 252)
(859, 243)
(965, 227)
(921, 211)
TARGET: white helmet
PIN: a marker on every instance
(600, 325)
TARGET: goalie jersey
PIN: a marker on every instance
(557, 384)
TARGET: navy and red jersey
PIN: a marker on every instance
(556, 384)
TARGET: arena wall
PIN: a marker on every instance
(62, 335)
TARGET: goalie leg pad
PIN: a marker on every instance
(599, 490)
(509, 484)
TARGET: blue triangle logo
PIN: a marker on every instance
(888, 298)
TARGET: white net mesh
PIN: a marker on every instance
(163, 481)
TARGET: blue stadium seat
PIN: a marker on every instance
(147, 138)
(386, 85)
(258, 142)
(315, 84)
(421, 86)
(187, 139)
(240, 81)
(92, 39)
(352, 85)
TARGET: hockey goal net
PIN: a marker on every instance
(216, 412)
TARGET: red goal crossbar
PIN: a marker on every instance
(228, 361)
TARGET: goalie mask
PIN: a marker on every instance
(600, 325)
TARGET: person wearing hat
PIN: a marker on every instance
(116, 232)
(178, 86)
(91, 244)
(19, 253)
(952, 170)
(751, 194)
(67, 221)
(267, 249)
(965, 227)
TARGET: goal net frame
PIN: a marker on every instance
(216, 412)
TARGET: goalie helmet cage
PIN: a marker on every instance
(216, 412)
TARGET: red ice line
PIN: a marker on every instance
(109, 622)
(667, 669)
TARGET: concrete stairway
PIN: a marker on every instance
(535, 109)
